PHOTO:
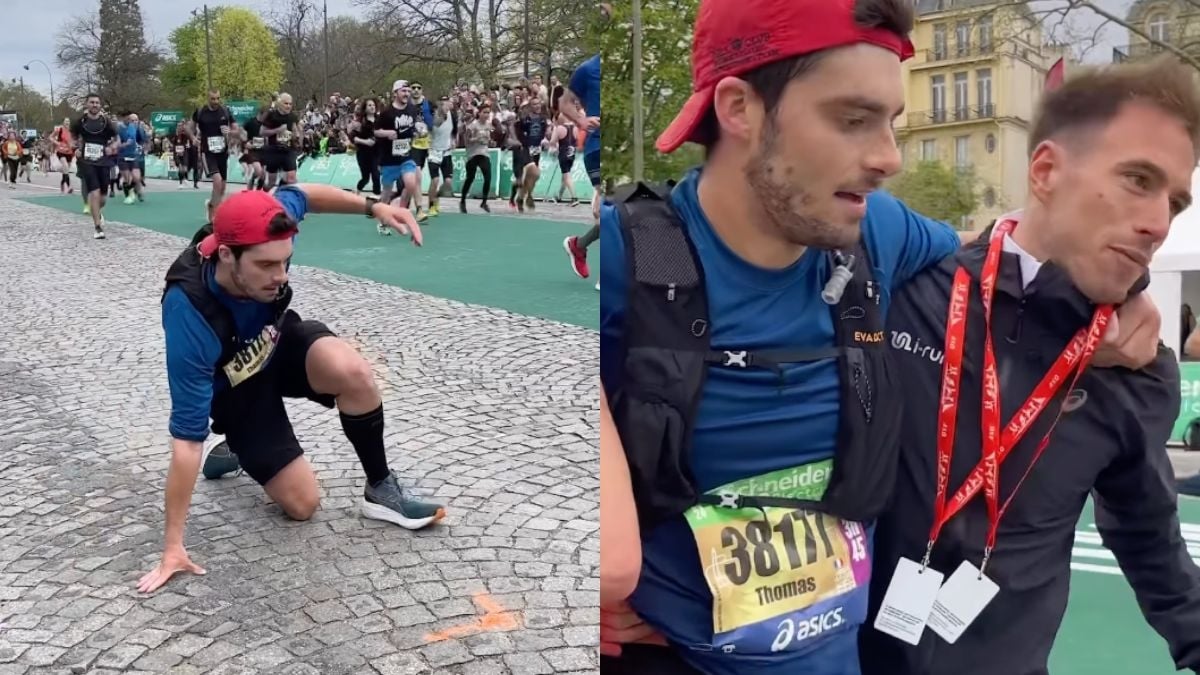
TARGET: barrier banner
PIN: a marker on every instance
(164, 121)
(1189, 405)
(242, 111)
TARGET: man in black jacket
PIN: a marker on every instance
(1113, 153)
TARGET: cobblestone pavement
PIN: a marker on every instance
(492, 412)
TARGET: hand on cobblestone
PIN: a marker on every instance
(174, 560)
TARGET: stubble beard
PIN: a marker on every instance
(787, 205)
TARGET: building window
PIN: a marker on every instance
(962, 35)
(961, 160)
(989, 143)
(985, 33)
(1157, 28)
(960, 96)
(939, 42)
(937, 96)
(989, 197)
(983, 85)
(929, 150)
(903, 148)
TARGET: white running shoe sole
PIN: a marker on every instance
(380, 512)
(210, 443)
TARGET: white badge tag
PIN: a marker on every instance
(216, 144)
(93, 151)
(401, 146)
(961, 601)
(908, 601)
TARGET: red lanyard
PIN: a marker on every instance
(996, 443)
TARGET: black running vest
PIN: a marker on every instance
(188, 273)
(667, 354)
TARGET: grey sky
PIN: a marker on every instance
(38, 21)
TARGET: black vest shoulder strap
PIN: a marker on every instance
(188, 273)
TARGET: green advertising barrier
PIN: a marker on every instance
(242, 110)
(1189, 406)
(342, 171)
(165, 121)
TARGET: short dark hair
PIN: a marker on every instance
(282, 223)
(92, 95)
(769, 81)
(1089, 99)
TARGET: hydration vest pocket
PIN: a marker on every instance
(663, 485)
(865, 463)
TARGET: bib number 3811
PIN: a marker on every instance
(778, 576)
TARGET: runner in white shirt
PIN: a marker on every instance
(441, 164)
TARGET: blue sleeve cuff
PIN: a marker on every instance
(294, 201)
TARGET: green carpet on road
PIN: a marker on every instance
(1104, 632)
(512, 263)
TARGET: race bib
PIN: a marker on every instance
(570, 151)
(179, 149)
(535, 151)
(401, 146)
(216, 144)
(780, 577)
(93, 151)
(284, 136)
(435, 156)
(253, 357)
(256, 143)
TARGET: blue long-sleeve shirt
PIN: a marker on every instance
(193, 348)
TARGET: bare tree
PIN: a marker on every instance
(77, 43)
(470, 34)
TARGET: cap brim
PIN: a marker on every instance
(208, 246)
(684, 126)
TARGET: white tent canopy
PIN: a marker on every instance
(1179, 254)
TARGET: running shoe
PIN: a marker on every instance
(529, 203)
(383, 229)
(485, 207)
(462, 206)
(578, 256)
(87, 210)
(219, 460)
(128, 200)
(434, 211)
(389, 501)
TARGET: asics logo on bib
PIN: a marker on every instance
(252, 358)
(790, 630)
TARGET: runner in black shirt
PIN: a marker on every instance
(96, 142)
(187, 158)
(210, 124)
(252, 147)
(281, 129)
(532, 129)
(398, 125)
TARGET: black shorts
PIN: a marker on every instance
(95, 177)
(566, 163)
(249, 157)
(278, 160)
(25, 159)
(591, 162)
(217, 163)
(418, 156)
(520, 159)
(444, 168)
(252, 415)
